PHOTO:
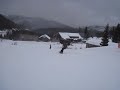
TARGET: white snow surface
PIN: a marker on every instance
(33, 66)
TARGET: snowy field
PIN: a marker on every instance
(33, 66)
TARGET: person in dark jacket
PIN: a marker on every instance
(64, 47)
(50, 46)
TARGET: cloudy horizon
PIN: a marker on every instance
(71, 12)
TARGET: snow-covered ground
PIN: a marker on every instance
(33, 66)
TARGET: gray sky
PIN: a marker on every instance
(71, 12)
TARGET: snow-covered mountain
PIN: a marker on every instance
(34, 23)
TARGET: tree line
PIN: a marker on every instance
(112, 33)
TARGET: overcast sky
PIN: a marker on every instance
(71, 12)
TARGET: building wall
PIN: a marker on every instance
(56, 38)
(91, 45)
(44, 39)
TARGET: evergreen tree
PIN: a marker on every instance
(116, 34)
(111, 32)
(86, 34)
(0, 36)
(105, 37)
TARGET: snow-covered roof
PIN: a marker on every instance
(3, 33)
(45, 36)
(66, 35)
(94, 41)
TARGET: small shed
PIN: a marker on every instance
(44, 38)
(93, 42)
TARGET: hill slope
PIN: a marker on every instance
(34, 23)
(5, 23)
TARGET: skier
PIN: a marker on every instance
(64, 47)
(50, 46)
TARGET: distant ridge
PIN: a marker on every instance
(34, 23)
